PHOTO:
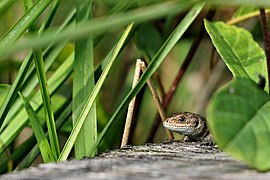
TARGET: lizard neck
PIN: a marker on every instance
(199, 132)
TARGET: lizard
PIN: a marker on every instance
(192, 125)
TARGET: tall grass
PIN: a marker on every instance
(74, 77)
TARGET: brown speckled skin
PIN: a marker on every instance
(189, 124)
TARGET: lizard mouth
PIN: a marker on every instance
(180, 128)
(180, 125)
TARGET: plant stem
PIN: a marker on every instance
(245, 17)
(131, 105)
(140, 66)
(167, 98)
(157, 101)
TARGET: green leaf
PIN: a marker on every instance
(238, 116)
(240, 52)
(43, 143)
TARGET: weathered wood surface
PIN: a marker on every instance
(172, 160)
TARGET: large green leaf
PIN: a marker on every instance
(238, 116)
(240, 52)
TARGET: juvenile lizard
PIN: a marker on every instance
(192, 125)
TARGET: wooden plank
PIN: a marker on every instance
(172, 160)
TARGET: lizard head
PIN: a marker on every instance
(186, 123)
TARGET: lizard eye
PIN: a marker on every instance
(181, 119)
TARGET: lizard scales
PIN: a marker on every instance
(192, 125)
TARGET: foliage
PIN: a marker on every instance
(84, 52)
(238, 114)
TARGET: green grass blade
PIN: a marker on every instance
(51, 15)
(28, 86)
(43, 143)
(41, 73)
(27, 19)
(91, 98)
(18, 154)
(5, 5)
(83, 83)
(155, 63)
(21, 119)
(46, 102)
(24, 73)
(29, 150)
(32, 155)
(12, 94)
(101, 25)
(16, 85)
